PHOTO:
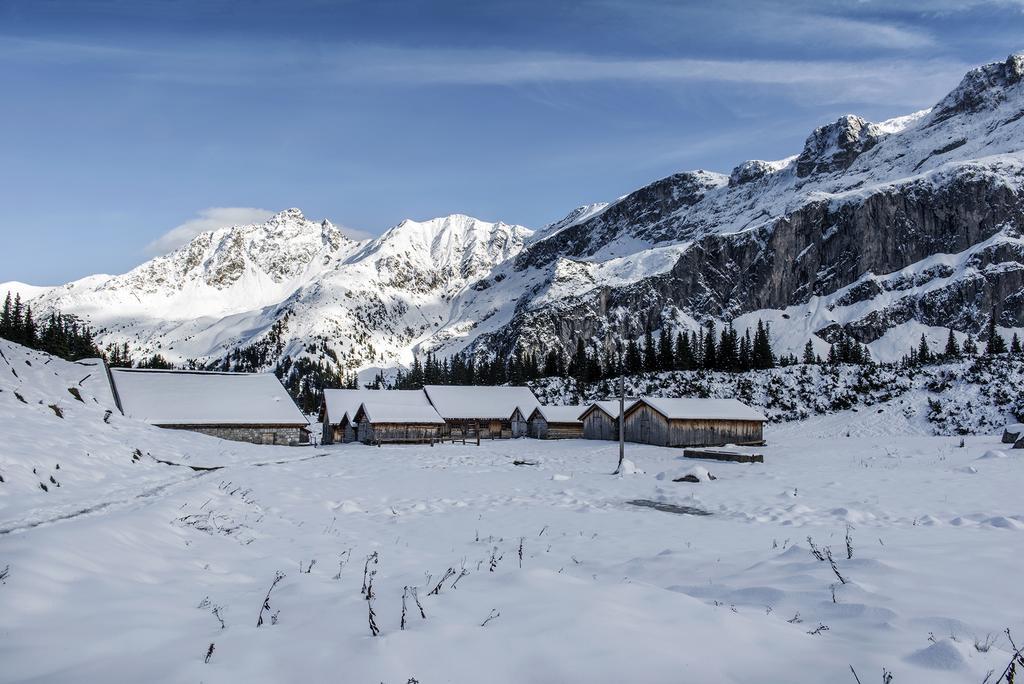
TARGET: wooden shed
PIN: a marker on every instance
(338, 410)
(601, 419)
(244, 407)
(693, 422)
(381, 422)
(556, 422)
(490, 412)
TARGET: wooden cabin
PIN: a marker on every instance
(487, 412)
(244, 407)
(693, 422)
(601, 419)
(338, 410)
(380, 422)
(556, 422)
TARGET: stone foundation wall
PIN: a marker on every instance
(289, 436)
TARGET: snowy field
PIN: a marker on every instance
(131, 569)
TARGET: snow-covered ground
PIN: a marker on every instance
(125, 572)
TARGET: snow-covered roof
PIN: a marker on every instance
(383, 411)
(164, 397)
(342, 402)
(689, 408)
(609, 406)
(562, 414)
(471, 401)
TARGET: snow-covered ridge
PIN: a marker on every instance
(664, 254)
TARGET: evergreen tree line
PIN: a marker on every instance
(995, 345)
(708, 349)
(62, 335)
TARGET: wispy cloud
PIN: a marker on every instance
(208, 219)
(900, 81)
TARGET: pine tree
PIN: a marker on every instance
(710, 359)
(746, 353)
(728, 352)
(6, 317)
(650, 353)
(578, 364)
(1015, 345)
(924, 354)
(684, 353)
(833, 354)
(809, 356)
(763, 356)
(952, 350)
(634, 362)
(17, 320)
(666, 354)
(996, 344)
(970, 346)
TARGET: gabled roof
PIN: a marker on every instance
(700, 409)
(168, 397)
(342, 402)
(478, 402)
(560, 414)
(609, 406)
(382, 411)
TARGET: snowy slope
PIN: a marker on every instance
(134, 570)
(67, 450)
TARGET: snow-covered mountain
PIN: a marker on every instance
(879, 231)
(370, 301)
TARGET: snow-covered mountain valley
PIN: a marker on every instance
(877, 232)
(118, 565)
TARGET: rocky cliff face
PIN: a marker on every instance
(873, 230)
(879, 231)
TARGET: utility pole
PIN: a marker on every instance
(622, 422)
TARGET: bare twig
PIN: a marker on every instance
(209, 653)
(437, 589)
(462, 573)
(832, 562)
(278, 576)
(372, 558)
(815, 551)
(1017, 659)
(495, 558)
(494, 614)
(416, 598)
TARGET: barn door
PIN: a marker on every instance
(645, 428)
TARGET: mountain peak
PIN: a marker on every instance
(292, 213)
(835, 146)
(981, 88)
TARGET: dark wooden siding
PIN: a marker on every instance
(540, 428)
(647, 426)
(396, 433)
(599, 425)
(488, 428)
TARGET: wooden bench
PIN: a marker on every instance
(720, 455)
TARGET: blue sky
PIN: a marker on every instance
(130, 124)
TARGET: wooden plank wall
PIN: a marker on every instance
(384, 433)
(542, 429)
(647, 426)
(599, 425)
